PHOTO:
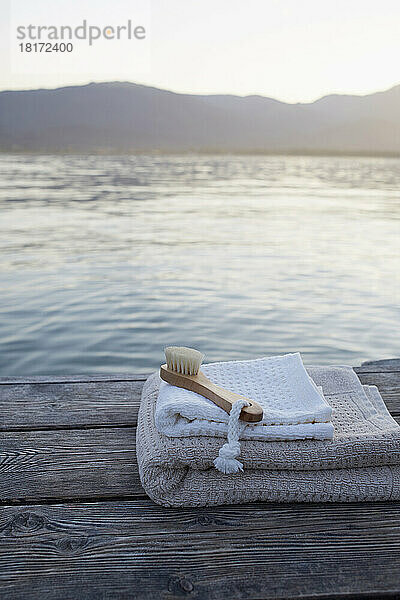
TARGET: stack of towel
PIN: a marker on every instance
(324, 437)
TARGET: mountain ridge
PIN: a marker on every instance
(131, 117)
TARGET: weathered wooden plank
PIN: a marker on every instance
(392, 364)
(72, 378)
(48, 465)
(143, 517)
(388, 384)
(373, 366)
(110, 403)
(94, 463)
(142, 551)
(69, 405)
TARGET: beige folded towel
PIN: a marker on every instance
(361, 463)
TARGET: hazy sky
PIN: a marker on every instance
(294, 50)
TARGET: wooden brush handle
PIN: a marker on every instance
(223, 398)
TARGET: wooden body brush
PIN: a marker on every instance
(183, 370)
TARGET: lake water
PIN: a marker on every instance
(105, 260)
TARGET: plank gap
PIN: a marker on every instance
(71, 380)
(78, 427)
(50, 501)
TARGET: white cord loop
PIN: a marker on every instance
(226, 461)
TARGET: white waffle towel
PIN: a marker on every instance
(294, 407)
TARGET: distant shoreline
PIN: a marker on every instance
(210, 152)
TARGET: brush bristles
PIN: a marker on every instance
(183, 360)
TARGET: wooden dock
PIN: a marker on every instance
(76, 524)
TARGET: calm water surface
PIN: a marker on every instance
(104, 260)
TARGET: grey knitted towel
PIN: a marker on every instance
(361, 463)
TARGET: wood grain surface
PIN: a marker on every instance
(75, 523)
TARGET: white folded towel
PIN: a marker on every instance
(294, 408)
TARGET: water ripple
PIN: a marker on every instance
(104, 260)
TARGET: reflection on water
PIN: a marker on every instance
(104, 260)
